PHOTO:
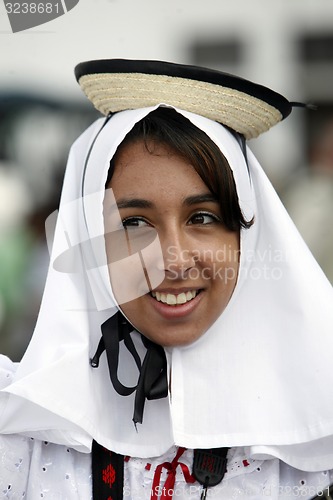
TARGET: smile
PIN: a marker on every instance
(173, 300)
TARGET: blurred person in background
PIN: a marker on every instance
(35, 137)
(309, 198)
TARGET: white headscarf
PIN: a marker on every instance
(260, 377)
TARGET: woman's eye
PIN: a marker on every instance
(134, 222)
(203, 218)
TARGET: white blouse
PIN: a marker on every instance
(31, 469)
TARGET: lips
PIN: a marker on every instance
(176, 305)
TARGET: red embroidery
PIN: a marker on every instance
(245, 463)
(109, 475)
(167, 490)
(148, 466)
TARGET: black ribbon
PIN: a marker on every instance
(209, 467)
(152, 380)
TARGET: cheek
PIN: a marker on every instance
(127, 279)
(223, 271)
(135, 264)
(223, 257)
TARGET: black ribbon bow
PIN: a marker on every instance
(152, 381)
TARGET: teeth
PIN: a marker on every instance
(172, 300)
(181, 298)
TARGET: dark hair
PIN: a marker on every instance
(166, 126)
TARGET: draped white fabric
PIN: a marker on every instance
(260, 377)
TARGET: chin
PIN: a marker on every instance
(174, 339)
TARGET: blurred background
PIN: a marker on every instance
(286, 45)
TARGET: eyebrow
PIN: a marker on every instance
(189, 201)
(200, 198)
(134, 203)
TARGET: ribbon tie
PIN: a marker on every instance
(166, 493)
(152, 380)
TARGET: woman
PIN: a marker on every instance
(173, 253)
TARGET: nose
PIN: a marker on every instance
(178, 253)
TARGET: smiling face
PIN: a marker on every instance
(160, 190)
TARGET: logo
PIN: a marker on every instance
(118, 262)
(25, 14)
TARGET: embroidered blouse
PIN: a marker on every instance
(31, 469)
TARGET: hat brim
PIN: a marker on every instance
(114, 85)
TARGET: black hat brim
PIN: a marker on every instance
(114, 85)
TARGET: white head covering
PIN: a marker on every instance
(260, 377)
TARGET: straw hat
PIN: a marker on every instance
(118, 84)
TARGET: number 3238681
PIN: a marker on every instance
(32, 8)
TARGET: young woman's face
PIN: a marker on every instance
(163, 192)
